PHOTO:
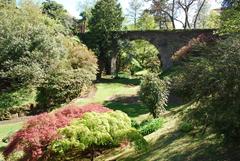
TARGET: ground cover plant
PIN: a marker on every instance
(149, 126)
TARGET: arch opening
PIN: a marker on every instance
(138, 57)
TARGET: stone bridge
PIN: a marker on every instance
(167, 42)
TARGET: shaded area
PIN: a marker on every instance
(128, 104)
(124, 81)
(178, 146)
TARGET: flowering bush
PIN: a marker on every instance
(41, 130)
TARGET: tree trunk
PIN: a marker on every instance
(100, 66)
(92, 155)
(108, 66)
(198, 12)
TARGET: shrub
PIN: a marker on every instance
(30, 45)
(154, 94)
(81, 57)
(35, 52)
(94, 133)
(212, 80)
(61, 87)
(150, 126)
(230, 21)
(41, 130)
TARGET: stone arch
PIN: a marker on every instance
(149, 47)
(167, 42)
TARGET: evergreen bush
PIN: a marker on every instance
(154, 94)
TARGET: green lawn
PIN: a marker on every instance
(8, 129)
(5, 131)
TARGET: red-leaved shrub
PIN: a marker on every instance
(41, 130)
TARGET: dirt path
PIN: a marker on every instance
(13, 121)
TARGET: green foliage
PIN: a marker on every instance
(30, 46)
(15, 156)
(147, 55)
(35, 52)
(16, 102)
(150, 126)
(213, 20)
(211, 78)
(186, 127)
(230, 22)
(57, 12)
(146, 22)
(93, 133)
(154, 94)
(106, 18)
(18, 97)
(63, 86)
(138, 55)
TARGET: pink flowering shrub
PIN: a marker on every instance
(41, 130)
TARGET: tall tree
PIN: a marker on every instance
(134, 10)
(56, 11)
(146, 22)
(185, 12)
(164, 11)
(201, 16)
(85, 8)
(186, 6)
(106, 18)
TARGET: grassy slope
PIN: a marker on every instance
(170, 144)
(118, 94)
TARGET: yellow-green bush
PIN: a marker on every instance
(94, 133)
